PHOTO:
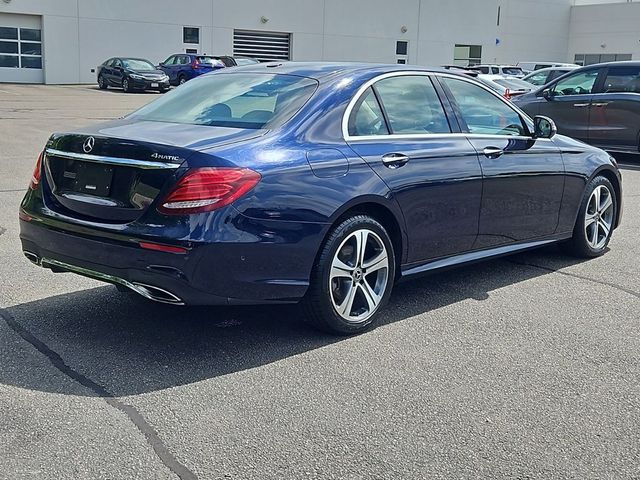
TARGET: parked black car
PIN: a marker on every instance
(598, 104)
(131, 74)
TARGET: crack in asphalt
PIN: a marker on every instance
(581, 277)
(151, 435)
(2, 231)
(13, 190)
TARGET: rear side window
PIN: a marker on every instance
(483, 112)
(366, 118)
(622, 79)
(412, 105)
(512, 71)
(241, 100)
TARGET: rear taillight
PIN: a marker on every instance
(37, 173)
(206, 189)
(507, 94)
(195, 64)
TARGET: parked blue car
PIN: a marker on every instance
(182, 67)
(320, 183)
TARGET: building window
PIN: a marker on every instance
(585, 59)
(20, 48)
(191, 35)
(263, 46)
(465, 55)
(402, 48)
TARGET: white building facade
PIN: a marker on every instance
(62, 41)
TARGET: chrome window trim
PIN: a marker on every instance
(419, 136)
(127, 162)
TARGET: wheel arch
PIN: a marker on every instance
(610, 174)
(383, 210)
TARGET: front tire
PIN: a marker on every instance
(102, 83)
(126, 85)
(595, 222)
(352, 278)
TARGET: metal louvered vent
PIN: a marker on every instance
(263, 46)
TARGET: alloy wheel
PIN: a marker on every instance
(598, 218)
(359, 276)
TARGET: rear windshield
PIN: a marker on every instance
(138, 65)
(514, 84)
(214, 62)
(512, 71)
(242, 100)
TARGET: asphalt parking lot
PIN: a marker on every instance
(526, 367)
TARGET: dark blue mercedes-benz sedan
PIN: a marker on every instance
(320, 183)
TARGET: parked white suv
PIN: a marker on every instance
(504, 70)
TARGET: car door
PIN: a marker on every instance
(568, 102)
(105, 70)
(615, 110)
(117, 72)
(523, 178)
(400, 128)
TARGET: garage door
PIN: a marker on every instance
(263, 46)
(21, 48)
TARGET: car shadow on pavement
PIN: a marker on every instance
(129, 345)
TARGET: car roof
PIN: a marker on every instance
(322, 70)
(624, 63)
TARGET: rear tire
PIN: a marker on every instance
(596, 218)
(352, 278)
(182, 80)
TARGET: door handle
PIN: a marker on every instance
(394, 160)
(581, 105)
(493, 152)
(601, 104)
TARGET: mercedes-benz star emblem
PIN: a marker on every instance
(88, 144)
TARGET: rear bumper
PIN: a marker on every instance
(208, 274)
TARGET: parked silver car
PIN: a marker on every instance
(545, 75)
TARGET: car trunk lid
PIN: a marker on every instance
(115, 179)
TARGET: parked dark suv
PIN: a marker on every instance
(182, 67)
(599, 104)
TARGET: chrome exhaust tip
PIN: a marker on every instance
(32, 257)
(156, 294)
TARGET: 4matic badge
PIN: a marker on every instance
(160, 156)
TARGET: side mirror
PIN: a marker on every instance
(161, 64)
(547, 94)
(543, 127)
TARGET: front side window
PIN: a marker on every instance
(366, 117)
(237, 100)
(483, 112)
(412, 105)
(622, 79)
(578, 84)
